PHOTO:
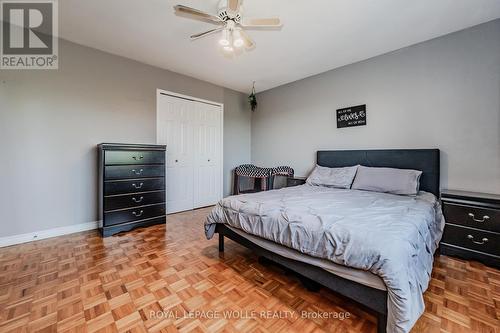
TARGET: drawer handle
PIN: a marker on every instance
(138, 158)
(137, 172)
(137, 186)
(137, 200)
(138, 214)
(484, 240)
(485, 217)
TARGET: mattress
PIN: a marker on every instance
(357, 275)
(391, 236)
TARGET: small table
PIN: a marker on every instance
(295, 181)
(472, 229)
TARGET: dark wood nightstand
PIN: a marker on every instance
(472, 229)
(295, 181)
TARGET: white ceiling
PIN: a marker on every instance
(317, 35)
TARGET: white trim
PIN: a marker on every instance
(49, 233)
(174, 94)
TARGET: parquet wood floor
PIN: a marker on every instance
(83, 283)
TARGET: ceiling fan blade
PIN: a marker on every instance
(261, 22)
(197, 14)
(249, 43)
(234, 5)
(206, 33)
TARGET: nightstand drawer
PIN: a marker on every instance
(473, 239)
(474, 217)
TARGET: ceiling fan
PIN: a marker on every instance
(231, 24)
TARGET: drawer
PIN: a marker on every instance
(133, 214)
(117, 157)
(474, 217)
(133, 200)
(114, 229)
(133, 171)
(487, 259)
(473, 239)
(132, 186)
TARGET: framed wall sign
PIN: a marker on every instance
(351, 116)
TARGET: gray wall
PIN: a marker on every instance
(443, 93)
(236, 135)
(50, 122)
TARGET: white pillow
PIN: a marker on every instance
(387, 180)
(332, 177)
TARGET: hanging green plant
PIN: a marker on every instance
(253, 99)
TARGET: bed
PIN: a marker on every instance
(374, 248)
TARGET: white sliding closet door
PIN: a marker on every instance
(192, 131)
(207, 155)
(175, 129)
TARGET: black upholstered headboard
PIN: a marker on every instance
(425, 160)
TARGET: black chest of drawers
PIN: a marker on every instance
(472, 229)
(131, 186)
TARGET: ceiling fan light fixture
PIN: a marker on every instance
(231, 23)
(225, 38)
(237, 39)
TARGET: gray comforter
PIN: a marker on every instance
(389, 235)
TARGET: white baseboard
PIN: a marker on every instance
(49, 233)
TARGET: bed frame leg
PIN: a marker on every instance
(221, 242)
(381, 323)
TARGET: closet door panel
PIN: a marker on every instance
(179, 189)
(208, 155)
(176, 131)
